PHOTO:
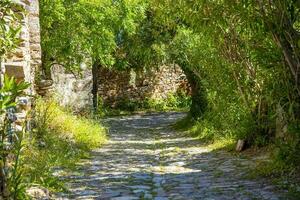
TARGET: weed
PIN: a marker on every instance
(172, 102)
(59, 141)
(11, 139)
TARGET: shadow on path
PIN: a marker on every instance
(145, 159)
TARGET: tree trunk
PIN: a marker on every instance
(95, 74)
(291, 56)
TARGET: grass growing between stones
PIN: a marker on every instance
(59, 141)
(284, 176)
(272, 166)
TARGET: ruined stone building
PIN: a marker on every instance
(117, 86)
(26, 59)
(23, 63)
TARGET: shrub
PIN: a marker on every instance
(179, 101)
(58, 142)
(11, 139)
(82, 131)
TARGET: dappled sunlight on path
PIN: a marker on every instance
(145, 159)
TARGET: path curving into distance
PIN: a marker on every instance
(146, 159)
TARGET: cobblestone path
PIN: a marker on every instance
(145, 159)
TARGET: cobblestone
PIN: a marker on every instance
(145, 159)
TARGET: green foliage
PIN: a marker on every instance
(283, 168)
(85, 132)
(9, 26)
(287, 152)
(178, 100)
(245, 54)
(173, 102)
(11, 141)
(231, 48)
(240, 57)
(86, 31)
(16, 180)
(60, 140)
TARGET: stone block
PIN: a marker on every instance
(24, 103)
(15, 70)
(38, 193)
(35, 47)
(45, 83)
(240, 145)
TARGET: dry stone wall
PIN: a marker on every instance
(116, 86)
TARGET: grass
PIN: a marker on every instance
(185, 124)
(173, 102)
(222, 143)
(284, 175)
(140, 110)
(276, 169)
(84, 132)
(211, 137)
(59, 141)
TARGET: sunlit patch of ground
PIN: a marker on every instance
(145, 159)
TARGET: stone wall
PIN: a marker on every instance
(116, 86)
(24, 62)
(26, 59)
(73, 90)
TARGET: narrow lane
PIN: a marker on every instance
(145, 159)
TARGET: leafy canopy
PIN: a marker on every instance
(84, 30)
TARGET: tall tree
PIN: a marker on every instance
(238, 58)
(86, 31)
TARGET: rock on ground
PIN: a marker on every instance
(38, 193)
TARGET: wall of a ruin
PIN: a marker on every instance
(26, 59)
(72, 90)
(116, 86)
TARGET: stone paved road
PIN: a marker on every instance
(145, 159)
